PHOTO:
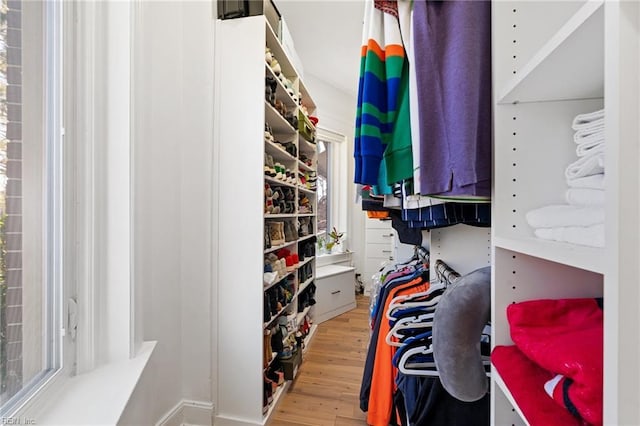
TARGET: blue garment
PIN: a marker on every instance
(365, 386)
(448, 214)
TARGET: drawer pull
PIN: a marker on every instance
(336, 292)
(388, 236)
(386, 251)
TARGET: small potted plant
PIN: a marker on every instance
(334, 239)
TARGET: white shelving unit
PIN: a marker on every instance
(241, 114)
(552, 61)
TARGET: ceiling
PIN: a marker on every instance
(327, 35)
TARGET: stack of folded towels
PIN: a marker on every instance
(581, 220)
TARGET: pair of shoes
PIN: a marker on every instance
(305, 228)
(290, 233)
(304, 204)
(268, 133)
(269, 166)
(306, 160)
(277, 265)
(276, 232)
(270, 87)
(271, 60)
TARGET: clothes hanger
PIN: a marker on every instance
(405, 326)
(432, 297)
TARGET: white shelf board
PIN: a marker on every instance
(306, 146)
(276, 248)
(280, 216)
(277, 122)
(278, 152)
(304, 166)
(569, 66)
(277, 50)
(507, 393)
(278, 182)
(307, 340)
(304, 262)
(305, 284)
(276, 400)
(302, 314)
(276, 282)
(281, 90)
(306, 215)
(583, 257)
(280, 312)
(307, 100)
(307, 190)
(306, 237)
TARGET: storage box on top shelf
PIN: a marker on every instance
(230, 9)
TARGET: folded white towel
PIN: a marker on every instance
(593, 182)
(588, 136)
(558, 215)
(585, 197)
(586, 166)
(590, 128)
(587, 117)
(592, 236)
(586, 149)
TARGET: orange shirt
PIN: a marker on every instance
(383, 377)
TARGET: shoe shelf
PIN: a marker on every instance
(304, 285)
(279, 53)
(309, 337)
(304, 166)
(276, 398)
(274, 355)
(278, 281)
(303, 314)
(278, 182)
(306, 237)
(307, 190)
(280, 312)
(276, 248)
(281, 91)
(306, 215)
(305, 261)
(278, 152)
(276, 121)
(304, 145)
(280, 216)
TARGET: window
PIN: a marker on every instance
(324, 199)
(332, 176)
(30, 199)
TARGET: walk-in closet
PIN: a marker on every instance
(320, 212)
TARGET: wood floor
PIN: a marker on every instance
(325, 392)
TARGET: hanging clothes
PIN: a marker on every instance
(452, 42)
(382, 148)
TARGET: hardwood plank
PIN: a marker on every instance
(326, 390)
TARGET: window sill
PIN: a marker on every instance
(99, 396)
(334, 258)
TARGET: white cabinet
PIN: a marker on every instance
(335, 291)
(553, 60)
(244, 114)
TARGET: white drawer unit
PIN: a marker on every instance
(335, 291)
(381, 236)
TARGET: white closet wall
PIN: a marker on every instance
(551, 61)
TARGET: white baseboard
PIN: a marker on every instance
(187, 413)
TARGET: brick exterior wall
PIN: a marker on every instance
(13, 207)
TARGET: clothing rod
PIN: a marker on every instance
(445, 272)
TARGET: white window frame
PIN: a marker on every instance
(97, 107)
(336, 189)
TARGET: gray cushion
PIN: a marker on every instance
(463, 311)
